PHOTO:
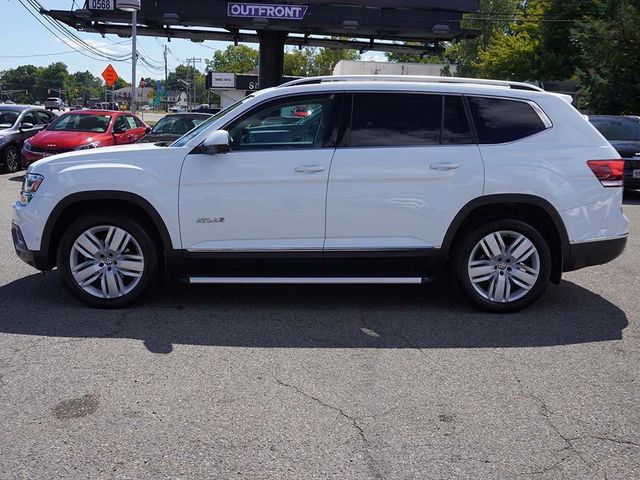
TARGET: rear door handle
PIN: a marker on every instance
(310, 169)
(444, 166)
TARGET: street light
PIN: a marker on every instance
(132, 6)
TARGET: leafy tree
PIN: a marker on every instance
(516, 53)
(493, 18)
(234, 59)
(325, 59)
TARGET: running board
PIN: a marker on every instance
(312, 280)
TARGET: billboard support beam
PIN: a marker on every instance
(271, 58)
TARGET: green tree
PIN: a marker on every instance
(515, 54)
(493, 18)
(325, 59)
(234, 59)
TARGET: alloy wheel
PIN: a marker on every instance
(504, 266)
(106, 262)
(12, 160)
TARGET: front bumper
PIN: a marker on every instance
(28, 157)
(587, 254)
(31, 257)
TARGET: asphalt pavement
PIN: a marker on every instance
(317, 382)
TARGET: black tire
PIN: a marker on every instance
(463, 250)
(11, 159)
(142, 239)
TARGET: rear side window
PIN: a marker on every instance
(395, 119)
(499, 120)
(456, 129)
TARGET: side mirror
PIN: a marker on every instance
(217, 142)
(147, 130)
(119, 130)
(26, 126)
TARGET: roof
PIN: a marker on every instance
(95, 112)
(9, 106)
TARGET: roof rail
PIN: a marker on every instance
(411, 78)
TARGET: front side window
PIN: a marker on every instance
(45, 117)
(500, 120)
(131, 122)
(81, 123)
(120, 123)
(395, 119)
(187, 137)
(30, 118)
(298, 122)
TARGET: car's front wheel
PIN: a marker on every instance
(502, 266)
(107, 260)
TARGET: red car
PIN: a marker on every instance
(79, 130)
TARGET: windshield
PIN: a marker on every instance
(177, 125)
(81, 123)
(182, 141)
(625, 130)
(8, 118)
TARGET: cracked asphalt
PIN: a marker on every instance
(317, 382)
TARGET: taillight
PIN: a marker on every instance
(609, 172)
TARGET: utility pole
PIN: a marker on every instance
(166, 101)
(193, 60)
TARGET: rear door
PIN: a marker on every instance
(406, 166)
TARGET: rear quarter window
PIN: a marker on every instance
(499, 120)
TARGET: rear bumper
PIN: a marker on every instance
(587, 254)
(629, 166)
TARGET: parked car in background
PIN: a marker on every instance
(177, 108)
(17, 124)
(173, 126)
(205, 108)
(81, 130)
(623, 134)
(54, 103)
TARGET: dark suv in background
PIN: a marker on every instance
(624, 135)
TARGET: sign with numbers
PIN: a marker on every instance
(101, 4)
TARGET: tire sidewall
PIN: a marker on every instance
(470, 240)
(131, 226)
(6, 159)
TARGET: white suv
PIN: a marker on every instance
(384, 180)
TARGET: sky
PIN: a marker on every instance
(25, 41)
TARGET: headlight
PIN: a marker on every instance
(30, 186)
(27, 145)
(88, 146)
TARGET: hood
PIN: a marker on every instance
(117, 153)
(65, 140)
(626, 149)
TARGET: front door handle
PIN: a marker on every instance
(444, 166)
(310, 169)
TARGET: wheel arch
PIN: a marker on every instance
(80, 203)
(536, 210)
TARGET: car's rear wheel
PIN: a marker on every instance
(503, 266)
(107, 260)
(11, 159)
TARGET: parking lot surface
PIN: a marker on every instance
(316, 382)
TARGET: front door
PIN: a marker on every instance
(407, 165)
(267, 196)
